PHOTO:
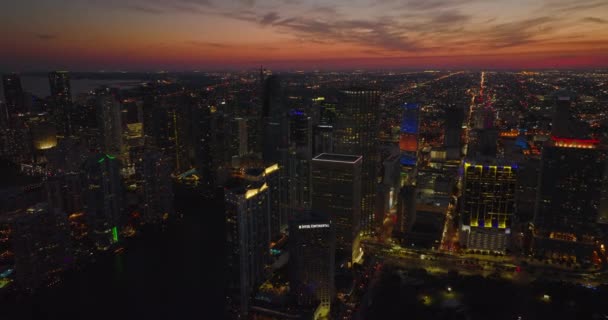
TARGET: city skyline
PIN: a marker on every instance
(188, 35)
(304, 159)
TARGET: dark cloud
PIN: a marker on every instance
(595, 20)
(517, 33)
(46, 36)
(270, 18)
(145, 9)
(219, 45)
(164, 6)
(575, 6)
(209, 44)
(427, 5)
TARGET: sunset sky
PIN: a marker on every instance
(89, 35)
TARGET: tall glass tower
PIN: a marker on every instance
(356, 133)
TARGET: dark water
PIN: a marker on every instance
(175, 274)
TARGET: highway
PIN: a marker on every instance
(507, 267)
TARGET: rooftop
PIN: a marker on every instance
(332, 157)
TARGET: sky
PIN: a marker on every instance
(182, 35)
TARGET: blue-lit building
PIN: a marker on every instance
(408, 141)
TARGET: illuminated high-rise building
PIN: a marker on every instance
(408, 142)
(312, 245)
(356, 133)
(336, 191)
(488, 205)
(572, 175)
(103, 203)
(247, 222)
(13, 94)
(61, 95)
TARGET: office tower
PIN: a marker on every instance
(323, 139)
(336, 191)
(300, 138)
(239, 134)
(406, 210)
(356, 133)
(202, 131)
(4, 117)
(484, 135)
(274, 122)
(61, 95)
(560, 126)
(247, 222)
(312, 245)
(572, 175)
(488, 205)
(65, 192)
(527, 187)
(154, 175)
(109, 122)
(38, 239)
(454, 117)
(483, 118)
(167, 124)
(103, 204)
(327, 114)
(408, 142)
(13, 94)
(16, 144)
(388, 189)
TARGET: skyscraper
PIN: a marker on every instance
(109, 122)
(571, 180)
(488, 205)
(312, 244)
(4, 117)
(560, 126)
(356, 133)
(103, 203)
(247, 219)
(454, 117)
(336, 191)
(38, 240)
(202, 131)
(155, 177)
(61, 94)
(300, 155)
(13, 94)
(408, 142)
(274, 121)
